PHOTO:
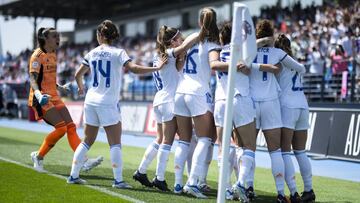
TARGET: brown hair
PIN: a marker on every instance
(282, 42)
(264, 28)
(42, 35)
(108, 30)
(209, 29)
(164, 37)
(225, 32)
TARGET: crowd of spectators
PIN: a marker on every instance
(325, 38)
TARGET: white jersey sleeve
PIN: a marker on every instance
(166, 79)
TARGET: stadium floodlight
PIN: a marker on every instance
(243, 49)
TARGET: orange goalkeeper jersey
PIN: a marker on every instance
(45, 65)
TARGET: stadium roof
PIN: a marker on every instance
(90, 9)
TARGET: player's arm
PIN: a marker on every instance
(33, 76)
(215, 63)
(266, 67)
(289, 62)
(265, 42)
(79, 78)
(187, 44)
(138, 69)
(180, 61)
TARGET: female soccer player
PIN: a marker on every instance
(295, 114)
(265, 91)
(169, 44)
(193, 102)
(244, 112)
(101, 106)
(46, 102)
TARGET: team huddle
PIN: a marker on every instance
(268, 97)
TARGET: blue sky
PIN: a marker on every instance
(16, 34)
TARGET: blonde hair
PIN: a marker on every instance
(209, 29)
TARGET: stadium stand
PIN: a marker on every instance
(315, 38)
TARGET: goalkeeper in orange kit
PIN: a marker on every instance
(46, 102)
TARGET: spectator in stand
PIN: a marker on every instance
(339, 61)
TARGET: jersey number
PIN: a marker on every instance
(190, 65)
(265, 61)
(294, 81)
(106, 74)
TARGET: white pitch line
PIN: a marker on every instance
(100, 189)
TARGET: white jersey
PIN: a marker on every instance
(241, 85)
(292, 95)
(195, 78)
(263, 85)
(166, 79)
(106, 63)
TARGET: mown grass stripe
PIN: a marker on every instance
(103, 190)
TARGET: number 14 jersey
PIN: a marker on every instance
(106, 73)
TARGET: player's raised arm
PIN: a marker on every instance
(187, 44)
(139, 69)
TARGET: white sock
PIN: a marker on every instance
(278, 170)
(162, 159)
(289, 172)
(305, 169)
(207, 163)
(79, 158)
(199, 160)
(193, 144)
(232, 159)
(238, 153)
(250, 178)
(246, 162)
(181, 154)
(116, 161)
(149, 155)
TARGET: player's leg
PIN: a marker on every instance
(299, 143)
(184, 124)
(81, 151)
(51, 116)
(169, 131)
(271, 124)
(149, 155)
(201, 109)
(182, 150)
(74, 139)
(113, 134)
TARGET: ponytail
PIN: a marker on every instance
(209, 30)
(282, 42)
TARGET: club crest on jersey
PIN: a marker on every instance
(247, 30)
(35, 64)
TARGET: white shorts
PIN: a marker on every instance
(102, 116)
(164, 112)
(244, 111)
(189, 105)
(219, 113)
(296, 119)
(268, 114)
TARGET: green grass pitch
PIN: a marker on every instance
(20, 184)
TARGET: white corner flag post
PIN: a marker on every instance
(242, 48)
